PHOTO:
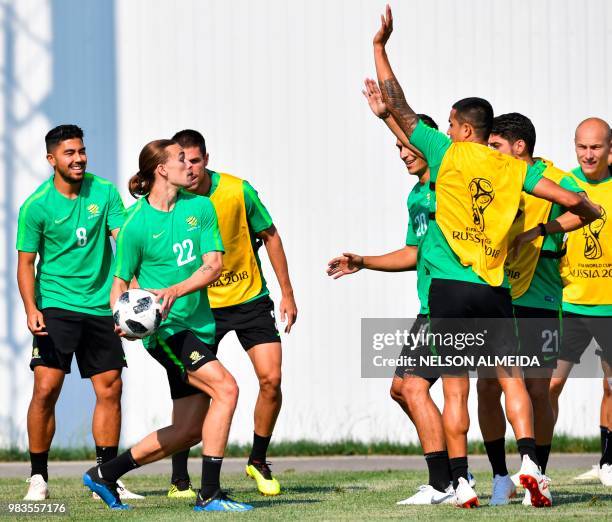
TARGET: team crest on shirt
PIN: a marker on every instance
(35, 353)
(94, 211)
(195, 357)
(192, 221)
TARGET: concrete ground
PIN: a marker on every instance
(303, 464)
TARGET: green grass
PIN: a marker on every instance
(309, 448)
(325, 496)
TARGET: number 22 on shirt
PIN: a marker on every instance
(184, 252)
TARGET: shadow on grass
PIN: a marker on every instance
(280, 501)
(323, 489)
(584, 499)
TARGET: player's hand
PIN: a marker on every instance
(386, 28)
(345, 264)
(123, 335)
(167, 297)
(36, 323)
(521, 240)
(375, 100)
(288, 311)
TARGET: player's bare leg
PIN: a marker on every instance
(41, 413)
(492, 423)
(191, 407)
(455, 417)
(557, 382)
(41, 427)
(267, 360)
(106, 422)
(605, 464)
(412, 394)
(538, 388)
(423, 412)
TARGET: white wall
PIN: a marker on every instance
(275, 88)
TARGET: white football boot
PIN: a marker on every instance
(38, 489)
(124, 493)
(465, 496)
(591, 475)
(605, 475)
(427, 495)
(533, 480)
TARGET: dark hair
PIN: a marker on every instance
(152, 154)
(478, 113)
(428, 120)
(513, 127)
(191, 138)
(62, 133)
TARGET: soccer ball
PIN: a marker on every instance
(137, 313)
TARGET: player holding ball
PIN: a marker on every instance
(171, 242)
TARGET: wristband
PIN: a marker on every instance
(542, 228)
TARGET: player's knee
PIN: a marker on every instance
(227, 391)
(45, 393)
(396, 393)
(538, 393)
(110, 393)
(414, 392)
(556, 387)
(270, 384)
(607, 387)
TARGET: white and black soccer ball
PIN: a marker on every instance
(137, 313)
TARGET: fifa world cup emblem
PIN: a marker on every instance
(591, 232)
(482, 194)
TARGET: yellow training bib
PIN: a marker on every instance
(241, 278)
(477, 197)
(586, 269)
(532, 211)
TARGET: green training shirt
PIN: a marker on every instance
(258, 218)
(583, 309)
(418, 220)
(71, 236)
(164, 248)
(546, 287)
(439, 259)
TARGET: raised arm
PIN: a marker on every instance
(392, 92)
(379, 108)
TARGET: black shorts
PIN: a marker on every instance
(419, 328)
(90, 337)
(580, 330)
(180, 354)
(471, 319)
(539, 333)
(253, 322)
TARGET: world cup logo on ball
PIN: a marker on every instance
(482, 194)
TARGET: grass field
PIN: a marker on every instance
(323, 496)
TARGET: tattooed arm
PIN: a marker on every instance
(392, 92)
(209, 272)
